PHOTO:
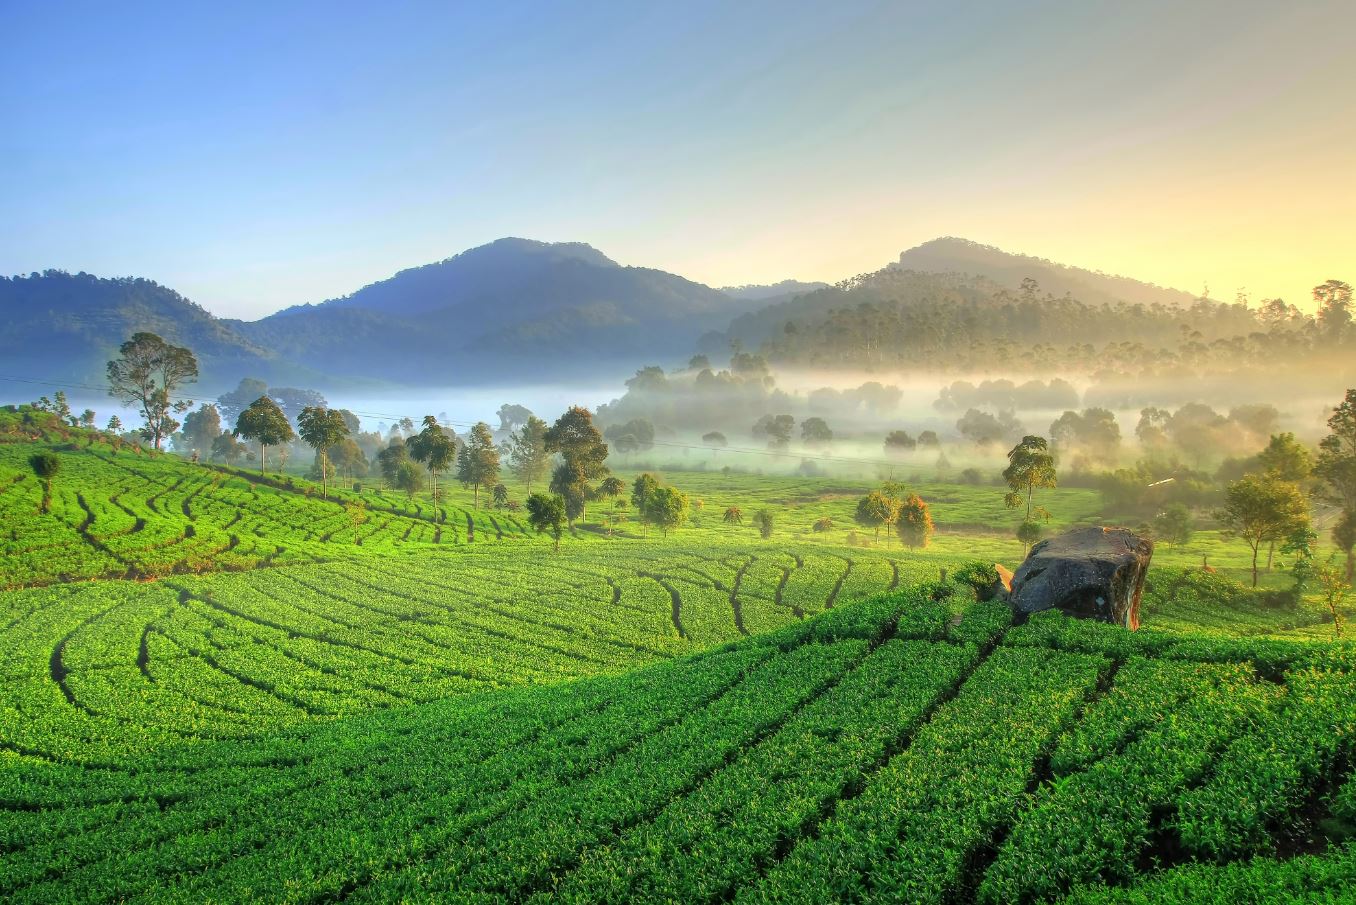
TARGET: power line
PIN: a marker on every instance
(743, 450)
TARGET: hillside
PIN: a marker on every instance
(512, 302)
(1008, 270)
(901, 749)
(59, 325)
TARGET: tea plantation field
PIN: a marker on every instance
(221, 687)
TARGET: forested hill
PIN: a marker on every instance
(961, 256)
(59, 325)
(901, 319)
(512, 304)
(512, 301)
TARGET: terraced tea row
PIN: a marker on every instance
(96, 671)
(910, 747)
(116, 515)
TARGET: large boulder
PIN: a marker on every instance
(1096, 573)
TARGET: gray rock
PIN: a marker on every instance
(1096, 573)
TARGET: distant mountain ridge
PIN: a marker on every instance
(514, 309)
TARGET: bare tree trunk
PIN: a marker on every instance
(1254, 565)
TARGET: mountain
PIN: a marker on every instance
(512, 308)
(961, 256)
(515, 303)
(784, 289)
(64, 326)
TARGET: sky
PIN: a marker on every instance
(254, 156)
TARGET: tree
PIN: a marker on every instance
(1333, 299)
(611, 489)
(226, 448)
(409, 478)
(584, 455)
(237, 400)
(512, 417)
(984, 429)
(667, 508)
(914, 522)
(201, 428)
(349, 458)
(435, 450)
(114, 425)
(87, 418)
(897, 443)
(478, 462)
(765, 521)
(1287, 458)
(1344, 536)
(1173, 525)
(734, 516)
(636, 434)
(1262, 509)
(321, 428)
(715, 438)
(147, 374)
(501, 496)
(929, 440)
(546, 513)
(265, 424)
(1030, 466)
(45, 466)
(875, 510)
(1028, 532)
(1335, 587)
(528, 456)
(815, 432)
(642, 491)
(391, 458)
(776, 428)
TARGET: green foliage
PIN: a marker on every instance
(264, 423)
(1173, 525)
(478, 461)
(546, 513)
(1262, 509)
(1028, 532)
(765, 522)
(321, 428)
(667, 508)
(914, 522)
(876, 510)
(1030, 468)
(147, 374)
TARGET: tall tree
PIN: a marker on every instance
(1287, 458)
(1336, 465)
(1262, 509)
(201, 428)
(815, 432)
(264, 423)
(45, 466)
(876, 510)
(435, 449)
(409, 478)
(642, 491)
(1344, 536)
(512, 417)
(667, 508)
(391, 458)
(478, 462)
(915, 522)
(583, 454)
(1030, 467)
(528, 456)
(1333, 299)
(611, 489)
(146, 374)
(547, 513)
(322, 428)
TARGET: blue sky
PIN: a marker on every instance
(254, 156)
